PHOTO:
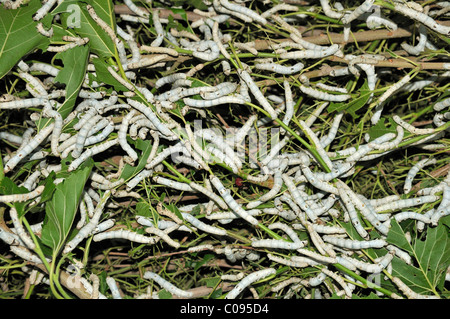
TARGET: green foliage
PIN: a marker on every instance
(18, 35)
(431, 258)
(60, 211)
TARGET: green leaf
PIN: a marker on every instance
(8, 187)
(60, 211)
(18, 35)
(355, 104)
(381, 128)
(128, 170)
(75, 62)
(99, 41)
(103, 75)
(432, 257)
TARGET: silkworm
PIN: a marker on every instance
(163, 235)
(277, 244)
(113, 286)
(277, 185)
(248, 280)
(29, 148)
(89, 227)
(169, 79)
(392, 144)
(412, 215)
(167, 285)
(323, 95)
(310, 54)
(422, 18)
(145, 62)
(281, 69)
(444, 207)
(390, 91)
(230, 201)
(221, 89)
(172, 184)
(371, 268)
(354, 244)
(20, 230)
(420, 46)
(202, 226)
(102, 24)
(245, 76)
(42, 11)
(316, 182)
(122, 135)
(124, 234)
(329, 12)
(405, 203)
(297, 197)
(439, 106)
(414, 170)
(125, 83)
(244, 11)
(37, 88)
(25, 254)
(409, 292)
(96, 149)
(364, 7)
(83, 134)
(151, 116)
(279, 7)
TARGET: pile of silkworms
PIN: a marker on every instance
(294, 221)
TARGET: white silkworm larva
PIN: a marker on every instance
(12, 198)
(248, 280)
(371, 268)
(233, 7)
(83, 134)
(42, 11)
(221, 89)
(89, 227)
(390, 91)
(420, 46)
(25, 254)
(213, 102)
(411, 128)
(167, 285)
(279, 7)
(172, 184)
(202, 226)
(364, 7)
(405, 203)
(297, 197)
(113, 286)
(317, 280)
(57, 128)
(122, 136)
(329, 12)
(169, 79)
(28, 149)
(409, 292)
(281, 69)
(352, 212)
(125, 83)
(277, 244)
(412, 215)
(310, 54)
(439, 106)
(366, 148)
(91, 152)
(414, 170)
(326, 140)
(163, 235)
(321, 95)
(245, 76)
(218, 41)
(354, 244)
(20, 230)
(316, 182)
(392, 144)
(277, 185)
(151, 116)
(125, 234)
(230, 201)
(366, 210)
(339, 280)
(423, 18)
